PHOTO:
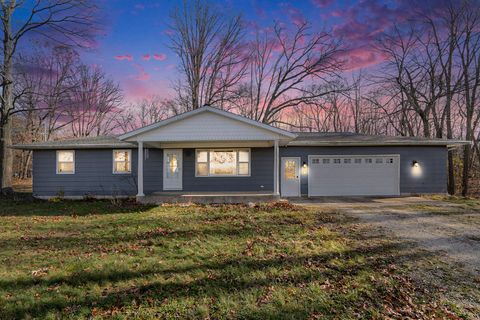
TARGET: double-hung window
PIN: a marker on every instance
(122, 162)
(65, 162)
(222, 162)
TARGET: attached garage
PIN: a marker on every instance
(354, 175)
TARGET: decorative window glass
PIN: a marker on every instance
(325, 161)
(172, 165)
(223, 162)
(290, 170)
(379, 160)
(368, 160)
(66, 162)
(358, 160)
(347, 160)
(337, 161)
(122, 161)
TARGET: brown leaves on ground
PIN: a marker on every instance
(40, 272)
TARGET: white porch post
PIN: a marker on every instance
(140, 170)
(276, 169)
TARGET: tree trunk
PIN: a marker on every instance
(466, 166)
(6, 153)
(451, 172)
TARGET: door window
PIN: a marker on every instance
(290, 170)
(172, 168)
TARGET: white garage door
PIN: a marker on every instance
(357, 175)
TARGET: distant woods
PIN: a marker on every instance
(290, 75)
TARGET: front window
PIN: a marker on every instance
(66, 162)
(122, 161)
(228, 162)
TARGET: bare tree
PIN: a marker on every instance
(93, 102)
(209, 46)
(287, 71)
(446, 30)
(468, 45)
(42, 84)
(145, 112)
(63, 21)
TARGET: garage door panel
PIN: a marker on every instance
(331, 176)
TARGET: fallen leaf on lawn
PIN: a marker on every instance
(40, 272)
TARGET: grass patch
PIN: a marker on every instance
(96, 260)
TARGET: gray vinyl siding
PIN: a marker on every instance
(93, 175)
(433, 161)
(260, 179)
(152, 171)
(93, 171)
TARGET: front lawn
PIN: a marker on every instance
(96, 259)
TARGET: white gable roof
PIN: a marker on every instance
(207, 124)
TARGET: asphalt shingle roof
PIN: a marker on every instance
(356, 139)
(302, 139)
(99, 142)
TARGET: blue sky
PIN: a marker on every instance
(133, 47)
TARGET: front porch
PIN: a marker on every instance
(208, 197)
(208, 156)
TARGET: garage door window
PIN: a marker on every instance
(357, 161)
(368, 160)
(347, 161)
(336, 161)
(379, 160)
(325, 161)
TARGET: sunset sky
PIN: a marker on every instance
(133, 47)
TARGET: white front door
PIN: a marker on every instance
(172, 169)
(290, 177)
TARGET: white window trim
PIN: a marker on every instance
(56, 162)
(224, 175)
(113, 161)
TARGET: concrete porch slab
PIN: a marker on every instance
(207, 197)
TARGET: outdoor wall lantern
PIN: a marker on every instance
(417, 171)
(304, 168)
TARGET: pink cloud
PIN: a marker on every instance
(361, 57)
(160, 56)
(146, 57)
(135, 90)
(142, 74)
(295, 15)
(322, 3)
(124, 57)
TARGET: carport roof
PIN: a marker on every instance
(356, 139)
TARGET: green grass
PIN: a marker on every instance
(98, 260)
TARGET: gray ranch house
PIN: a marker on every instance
(212, 153)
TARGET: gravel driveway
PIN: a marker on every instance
(449, 230)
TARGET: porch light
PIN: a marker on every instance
(417, 171)
(304, 168)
